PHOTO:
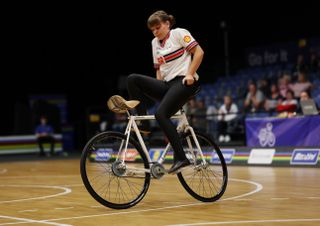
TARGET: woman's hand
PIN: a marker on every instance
(188, 80)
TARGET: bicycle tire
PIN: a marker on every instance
(216, 190)
(87, 162)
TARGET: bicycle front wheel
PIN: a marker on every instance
(204, 180)
(114, 178)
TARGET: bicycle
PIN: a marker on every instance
(116, 169)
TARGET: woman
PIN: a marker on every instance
(288, 106)
(273, 100)
(301, 85)
(176, 57)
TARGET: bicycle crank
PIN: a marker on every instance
(157, 170)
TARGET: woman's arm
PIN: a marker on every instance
(158, 75)
(197, 53)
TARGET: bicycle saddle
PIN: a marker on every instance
(118, 104)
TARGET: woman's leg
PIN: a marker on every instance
(222, 125)
(176, 96)
(40, 143)
(141, 87)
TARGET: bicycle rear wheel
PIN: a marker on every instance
(112, 182)
(204, 181)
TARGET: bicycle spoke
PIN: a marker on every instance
(112, 182)
(205, 181)
(211, 184)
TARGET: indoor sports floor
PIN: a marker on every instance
(50, 192)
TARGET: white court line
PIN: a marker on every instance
(3, 171)
(239, 200)
(97, 206)
(311, 197)
(259, 187)
(46, 176)
(66, 191)
(22, 211)
(64, 208)
(25, 221)
(276, 199)
(72, 185)
(248, 222)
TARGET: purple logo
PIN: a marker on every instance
(305, 157)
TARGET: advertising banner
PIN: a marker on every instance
(305, 157)
(273, 132)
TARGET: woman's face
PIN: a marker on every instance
(289, 96)
(304, 96)
(160, 30)
(301, 77)
(274, 88)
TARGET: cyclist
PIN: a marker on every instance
(176, 56)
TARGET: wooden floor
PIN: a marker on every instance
(50, 192)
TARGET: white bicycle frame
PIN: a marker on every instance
(183, 126)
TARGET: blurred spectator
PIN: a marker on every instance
(120, 122)
(212, 113)
(199, 119)
(263, 86)
(254, 99)
(314, 63)
(300, 64)
(44, 134)
(302, 84)
(190, 109)
(227, 119)
(283, 85)
(288, 106)
(273, 100)
(304, 95)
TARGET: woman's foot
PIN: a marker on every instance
(178, 165)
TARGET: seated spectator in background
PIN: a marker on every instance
(273, 100)
(120, 122)
(302, 84)
(314, 65)
(288, 106)
(283, 85)
(200, 116)
(254, 99)
(212, 113)
(263, 86)
(304, 95)
(44, 134)
(300, 64)
(227, 119)
(190, 109)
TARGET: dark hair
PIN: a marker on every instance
(158, 17)
(307, 92)
(291, 92)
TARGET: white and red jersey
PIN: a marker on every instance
(172, 56)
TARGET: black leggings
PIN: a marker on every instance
(172, 96)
